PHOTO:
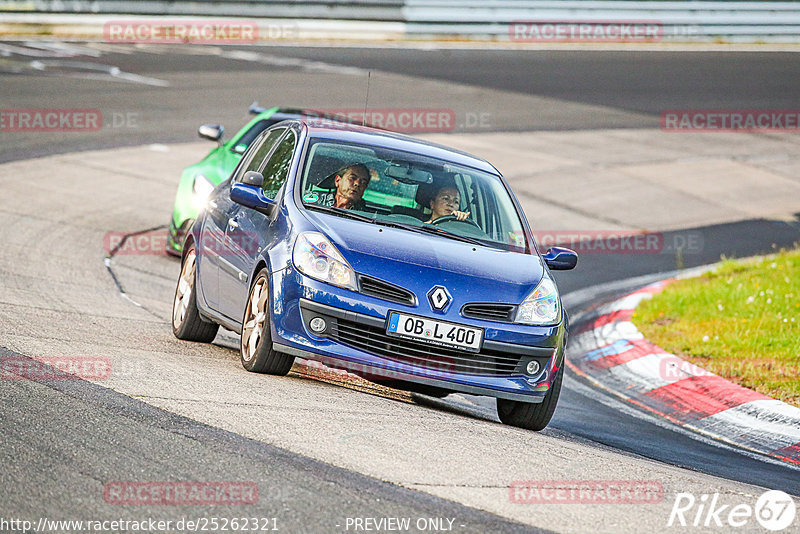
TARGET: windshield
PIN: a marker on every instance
(410, 191)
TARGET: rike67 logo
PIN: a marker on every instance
(774, 510)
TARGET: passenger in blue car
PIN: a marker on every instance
(445, 201)
(351, 181)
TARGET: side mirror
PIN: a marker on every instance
(252, 196)
(560, 259)
(255, 109)
(253, 178)
(212, 132)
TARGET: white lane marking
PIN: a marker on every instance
(136, 78)
(254, 56)
(155, 147)
(767, 424)
(608, 334)
(107, 263)
(617, 401)
(126, 297)
(6, 50)
(627, 303)
(59, 48)
(94, 71)
(760, 426)
(112, 48)
(291, 62)
(643, 374)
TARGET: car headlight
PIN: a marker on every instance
(541, 306)
(202, 188)
(317, 258)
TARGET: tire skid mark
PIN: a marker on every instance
(107, 261)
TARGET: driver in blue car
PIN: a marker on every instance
(445, 201)
(351, 181)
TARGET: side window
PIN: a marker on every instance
(252, 133)
(276, 169)
(258, 152)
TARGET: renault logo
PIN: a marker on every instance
(439, 298)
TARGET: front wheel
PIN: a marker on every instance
(255, 349)
(529, 415)
(186, 321)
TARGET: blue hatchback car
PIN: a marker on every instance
(405, 262)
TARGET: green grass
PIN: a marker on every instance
(741, 322)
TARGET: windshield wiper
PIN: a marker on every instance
(394, 224)
(432, 230)
(341, 211)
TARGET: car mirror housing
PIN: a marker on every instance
(253, 178)
(252, 196)
(212, 132)
(560, 259)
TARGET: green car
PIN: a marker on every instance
(198, 180)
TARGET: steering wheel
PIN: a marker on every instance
(448, 218)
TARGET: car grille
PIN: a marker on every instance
(375, 340)
(491, 312)
(386, 291)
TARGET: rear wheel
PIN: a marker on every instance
(186, 321)
(255, 348)
(529, 415)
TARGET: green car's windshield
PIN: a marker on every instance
(412, 192)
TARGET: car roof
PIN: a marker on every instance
(287, 113)
(385, 139)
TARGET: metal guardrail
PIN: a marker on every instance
(377, 10)
(689, 20)
(773, 21)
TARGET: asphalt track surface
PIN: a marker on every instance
(610, 89)
(157, 444)
(639, 81)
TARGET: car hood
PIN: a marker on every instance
(418, 262)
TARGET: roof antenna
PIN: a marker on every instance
(366, 101)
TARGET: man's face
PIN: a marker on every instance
(350, 185)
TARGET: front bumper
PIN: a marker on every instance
(177, 235)
(354, 339)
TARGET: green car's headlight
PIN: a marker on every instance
(201, 188)
(541, 306)
(317, 258)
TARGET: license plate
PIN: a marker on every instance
(441, 333)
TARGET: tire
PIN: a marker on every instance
(186, 321)
(529, 415)
(255, 348)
